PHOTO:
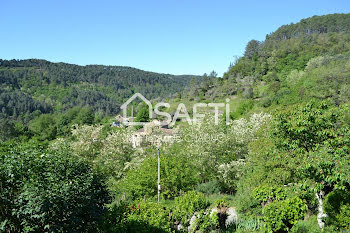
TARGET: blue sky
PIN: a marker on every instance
(178, 37)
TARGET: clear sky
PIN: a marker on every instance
(168, 36)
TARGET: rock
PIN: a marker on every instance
(179, 227)
(192, 221)
(232, 216)
(213, 211)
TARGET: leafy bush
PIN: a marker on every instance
(142, 115)
(187, 204)
(210, 187)
(243, 107)
(205, 222)
(45, 191)
(282, 215)
(265, 194)
(44, 127)
(337, 206)
(74, 116)
(222, 202)
(306, 226)
(266, 101)
(85, 116)
(177, 174)
(138, 216)
(246, 203)
(115, 220)
(151, 216)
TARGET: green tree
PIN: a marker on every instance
(46, 191)
(177, 173)
(252, 49)
(143, 114)
(85, 116)
(281, 216)
(7, 130)
(44, 127)
(213, 74)
(318, 142)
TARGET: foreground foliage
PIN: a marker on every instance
(45, 191)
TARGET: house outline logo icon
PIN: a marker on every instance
(132, 98)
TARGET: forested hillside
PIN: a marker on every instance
(309, 59)
(27, 86)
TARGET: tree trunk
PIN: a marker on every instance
(321, 215)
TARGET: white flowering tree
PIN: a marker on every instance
(219, 149)
(112, 153)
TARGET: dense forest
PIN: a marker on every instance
(37, 85)
(63, 92)
(281, 164)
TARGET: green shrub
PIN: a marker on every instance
(138, 216)
(243, 107)
(337, 206)
(142, 115)
(205, 222)
(265, 194)
(210, 187)
(306, 226)
(146, 216)
(177, 174)
(266, 101)
(187, 204)
(282, 215)
(222, 202)
(274, 87)
(85, 116)
(115, 219)
(44, 127)
(46, 191)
